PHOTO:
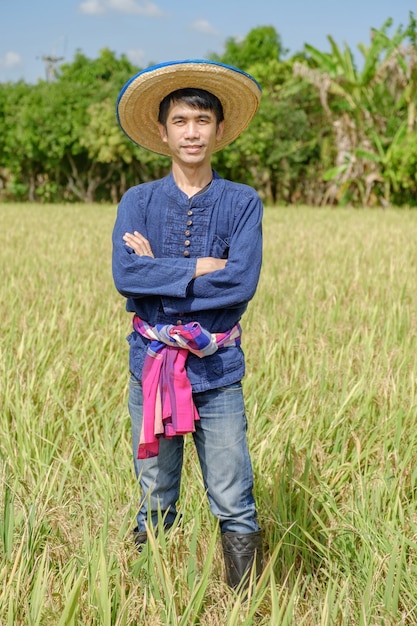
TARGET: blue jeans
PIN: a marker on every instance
(222, 449)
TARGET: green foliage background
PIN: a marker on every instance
(329, 130)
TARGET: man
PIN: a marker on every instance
(187, 254)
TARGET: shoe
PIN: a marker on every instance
(240, 552)
(140, 537)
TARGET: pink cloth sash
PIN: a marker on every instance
(168, 406)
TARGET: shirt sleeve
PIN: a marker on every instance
(236, 283)
(140, 276)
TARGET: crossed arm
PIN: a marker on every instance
(141, 246)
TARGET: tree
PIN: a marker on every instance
(21, 156)
(366, 110)
(47, 149)
(276, 152)
(260, 45)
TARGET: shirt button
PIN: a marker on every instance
(187, 242)
(187, 233)
(189, 212)
(189, 222)
(179, 322)
(186, 253)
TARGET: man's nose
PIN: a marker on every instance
(191, 129)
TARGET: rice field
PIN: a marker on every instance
(331, 344)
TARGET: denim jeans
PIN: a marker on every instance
(222, 449)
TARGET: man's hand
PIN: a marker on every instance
(208, 264)
(141, 246)
(138, 243)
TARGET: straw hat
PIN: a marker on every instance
(138, 102)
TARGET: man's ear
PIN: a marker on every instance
(220, 131)
(162, 132)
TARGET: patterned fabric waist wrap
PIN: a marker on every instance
(168, 406)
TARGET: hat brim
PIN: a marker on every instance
(138, 103)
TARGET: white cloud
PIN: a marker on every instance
(131, 7)
(92, 7)
(203, 26)
(136, 56)
(10, 59)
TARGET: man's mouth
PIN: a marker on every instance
(192, 147)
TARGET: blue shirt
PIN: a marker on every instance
(224, 221)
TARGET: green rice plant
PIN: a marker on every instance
(330, 341)
(71, 588)
(7, 522)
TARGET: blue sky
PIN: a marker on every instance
(160, 30)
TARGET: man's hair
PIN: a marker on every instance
(195, 98)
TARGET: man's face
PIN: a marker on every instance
(191, 134)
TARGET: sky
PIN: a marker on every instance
(154, 31)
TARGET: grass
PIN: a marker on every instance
(331, 344)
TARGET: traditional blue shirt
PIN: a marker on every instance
(224, 221)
